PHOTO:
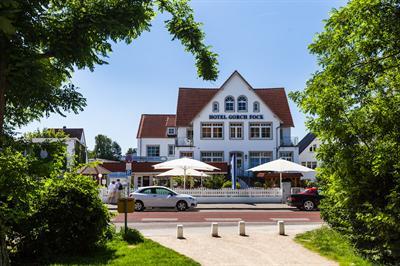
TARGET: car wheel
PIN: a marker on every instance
(181, 206)
(308, 205)
(139, 206)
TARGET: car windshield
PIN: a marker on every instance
(310, 191)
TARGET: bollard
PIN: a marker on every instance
(214, 229)
(242, 230)
(179, 231)
(281, 227)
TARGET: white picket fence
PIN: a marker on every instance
(229, 193)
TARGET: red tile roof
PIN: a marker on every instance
(155, 125)
(191, 101)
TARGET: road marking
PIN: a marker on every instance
(223, 219)
(159, 219)
(290, 219)
(238, 210)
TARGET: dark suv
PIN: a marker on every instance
(307, 200)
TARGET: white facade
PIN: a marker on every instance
(248, 149)
(308, 157)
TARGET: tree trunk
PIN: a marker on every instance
(4, 259)
(3, 70)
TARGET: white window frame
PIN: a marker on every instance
(261, 156)
(184, 153)
(310, 164)
(236, 127)
(260, 126)
(213, 126)
(313, 148)
(215, 107)
(171, 146)
(286, 155)
(153, 146)
(242, 100)
(256, 110)
(212, 156)
(171, 131)
(231, 103)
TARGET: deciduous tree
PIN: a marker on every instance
(353, 106)
(43, 41)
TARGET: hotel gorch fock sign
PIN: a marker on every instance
(236, 117)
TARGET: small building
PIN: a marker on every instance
(307, 153)
(75, 142)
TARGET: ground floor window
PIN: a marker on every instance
(286, 155)
(259, 157)
(153, 150)
(188, 154)
(212, 156)
(171, 149)
(311, 165)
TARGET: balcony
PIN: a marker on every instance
(183, 142)
(289, 141)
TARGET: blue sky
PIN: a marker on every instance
(265, 40)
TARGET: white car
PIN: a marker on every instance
(161, 197)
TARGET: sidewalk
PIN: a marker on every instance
(262, 246)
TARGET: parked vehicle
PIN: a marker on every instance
(307, 200)
(161, 197)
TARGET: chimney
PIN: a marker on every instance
(64, 127)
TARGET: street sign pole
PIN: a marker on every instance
(128, 168)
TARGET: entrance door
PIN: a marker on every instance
(239, 163)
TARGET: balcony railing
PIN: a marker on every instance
(289, 141)
(149, 158)
(183, 142)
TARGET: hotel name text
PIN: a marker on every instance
(236, 117)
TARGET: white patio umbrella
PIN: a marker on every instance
(185, 164)
(181, 172)
(281, 166)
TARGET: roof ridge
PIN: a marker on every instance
(192, 88)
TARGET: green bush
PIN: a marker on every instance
(228, 184)
(132, 236)
(214, 181)
(70, 219)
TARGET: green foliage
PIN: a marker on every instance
(42, 42)
(105, 148)
(131, 236)
(214, 181)
(228, 184)
(353, 106)
(70, 219)
(332, 245)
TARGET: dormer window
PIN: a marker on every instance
(215, 107)
(256, 107)
(229, 104)
(171, 131)
(242, 103)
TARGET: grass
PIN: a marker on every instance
(119, 252)
(332, 245)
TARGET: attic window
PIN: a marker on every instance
(171, 131)
(256, 107)
(215, 107)
(229, 104)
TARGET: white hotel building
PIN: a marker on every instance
(211, 124)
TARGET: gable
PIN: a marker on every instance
(191, 101)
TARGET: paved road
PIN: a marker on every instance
(232, 216)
